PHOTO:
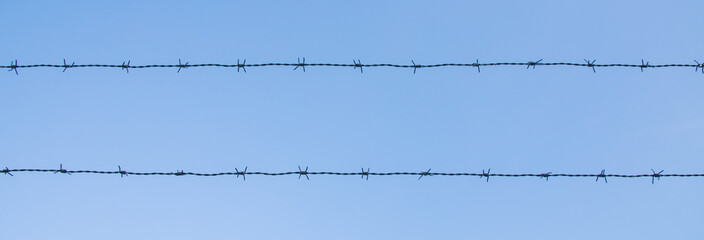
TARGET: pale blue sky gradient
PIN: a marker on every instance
(509, 119)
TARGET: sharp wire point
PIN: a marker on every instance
(301, 64)
(179, 173)
(66, 66)
(303, 172)
(357, 64)
(415, 66)
(241, 65)
(476, 64)
(533, 63)
(426, 173)
(591, 64)
(122, 173)
(13, 67)
(126, 67)
(7, 171)
(656, 175)
(699, 65)
(243, 173)
(545, 175)
(365, 174)
(486, 174)
(644, 64)
(180, 66)
(62, 170)
(602, 174)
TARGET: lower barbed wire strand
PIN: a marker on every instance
(428, 173)
(347, 65)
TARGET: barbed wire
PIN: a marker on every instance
(301, 63)
(364, 174)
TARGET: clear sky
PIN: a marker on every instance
(509, 119)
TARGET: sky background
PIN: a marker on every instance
(509, 119)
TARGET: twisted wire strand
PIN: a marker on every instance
(360, 173)
(589, 64)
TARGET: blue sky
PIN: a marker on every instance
(509, 119)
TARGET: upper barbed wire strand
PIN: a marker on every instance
(300, 172)
(589, 64)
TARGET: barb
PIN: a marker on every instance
(656, 175)
(180, 66)
(358, 64)
(7, 171)
(602, 174)
(302, 172)
(364, 174)
(122, 173)
(68, 66)
(591, 64)
(243, 173)
(534, 63)
(241, 65)
(14, 66)
(126, 67)
(426, 173)
(301, 64)
(62, 170)
(486, 174)
(544, 175)
(644, 64)
(415, 67)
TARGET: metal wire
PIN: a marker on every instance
(14, 66)
(304, 172)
